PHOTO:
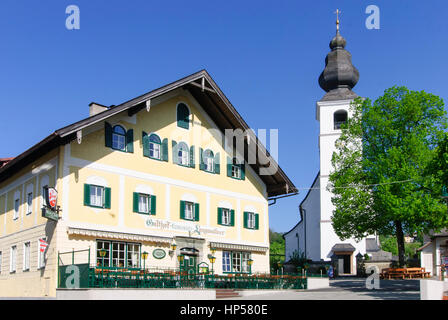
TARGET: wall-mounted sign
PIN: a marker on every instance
(159, 253)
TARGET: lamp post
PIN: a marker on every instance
(279, 264)
(250, 262)
(144, 257)
(102, 253)
(212, 261)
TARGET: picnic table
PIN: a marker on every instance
(404, 273)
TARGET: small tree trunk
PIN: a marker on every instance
(400, 242)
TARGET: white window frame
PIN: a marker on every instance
(226, 216)
(142, 204)
(183, 156)
(41, 255)
(190, 215)
(226, 261)
(26, 256)
(16, 204)
(209, 164)
(118, 139)
(236, 171)
(13, 259)
(251, 220)
(29, 205)
(97, 199)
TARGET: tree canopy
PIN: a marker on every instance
(384, 179)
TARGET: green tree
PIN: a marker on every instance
(381, 180)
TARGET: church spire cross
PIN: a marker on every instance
(337, 19)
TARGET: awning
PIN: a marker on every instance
(243, 247)
(343, 247)
(118, 235)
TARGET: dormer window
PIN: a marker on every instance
(339, 118)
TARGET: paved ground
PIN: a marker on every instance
(349, 289)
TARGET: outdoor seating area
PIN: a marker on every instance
(111, 277)
(404, 273)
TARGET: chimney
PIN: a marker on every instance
(95, 108)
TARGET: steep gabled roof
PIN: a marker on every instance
(204, 90)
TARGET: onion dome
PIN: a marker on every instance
(339, 76)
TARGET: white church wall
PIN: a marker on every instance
(311, 206)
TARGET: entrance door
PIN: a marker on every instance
(189, 264)
(347, 264)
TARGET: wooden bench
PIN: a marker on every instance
(395, 273)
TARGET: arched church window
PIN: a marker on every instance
(339, 118)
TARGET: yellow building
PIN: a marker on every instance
(139, 177)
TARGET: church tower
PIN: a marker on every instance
(337, 79)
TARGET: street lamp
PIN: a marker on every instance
(144, 257)
(213, 250)
(102, 253)
(250, 262)
(173, 246)
(212, 261)
(279, 264)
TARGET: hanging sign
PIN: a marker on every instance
(42, 245)
(50, 209)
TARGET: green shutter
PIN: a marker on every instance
(182, 209)
(256, 221)
(192, 162)
(165, 150)
(135, 202)
(229, 167)
(107, 198)
(87, 194)
(145, 143)
(130, 141)
(196, 212)
(108, 134)
(153, 205)
(201, 159)
(243, 170)
(219, 215)
(217, 163)
(183, 115)
(175, 151)
(232, 218)
(245, 220)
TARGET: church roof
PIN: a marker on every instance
(204, 90)
(339, 76)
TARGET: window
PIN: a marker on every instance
(133, 252)
(235, 262)
(41, 252)
(154, 146)
(118, 254)
(226, 265)
(208, 161)
(251, 220)
(13, 259)
(183, 116)
(97, 196)
(16, 208)
(226, 217)
(26, 256)
(118, 138)
(235, 169)
(339, 118)
(189, 210)
(29, 203)
(182, 154)
(144, 203)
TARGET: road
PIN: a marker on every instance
(349, 289)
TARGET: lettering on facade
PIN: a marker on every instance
(180, 226)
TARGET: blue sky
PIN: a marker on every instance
(265, 55)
